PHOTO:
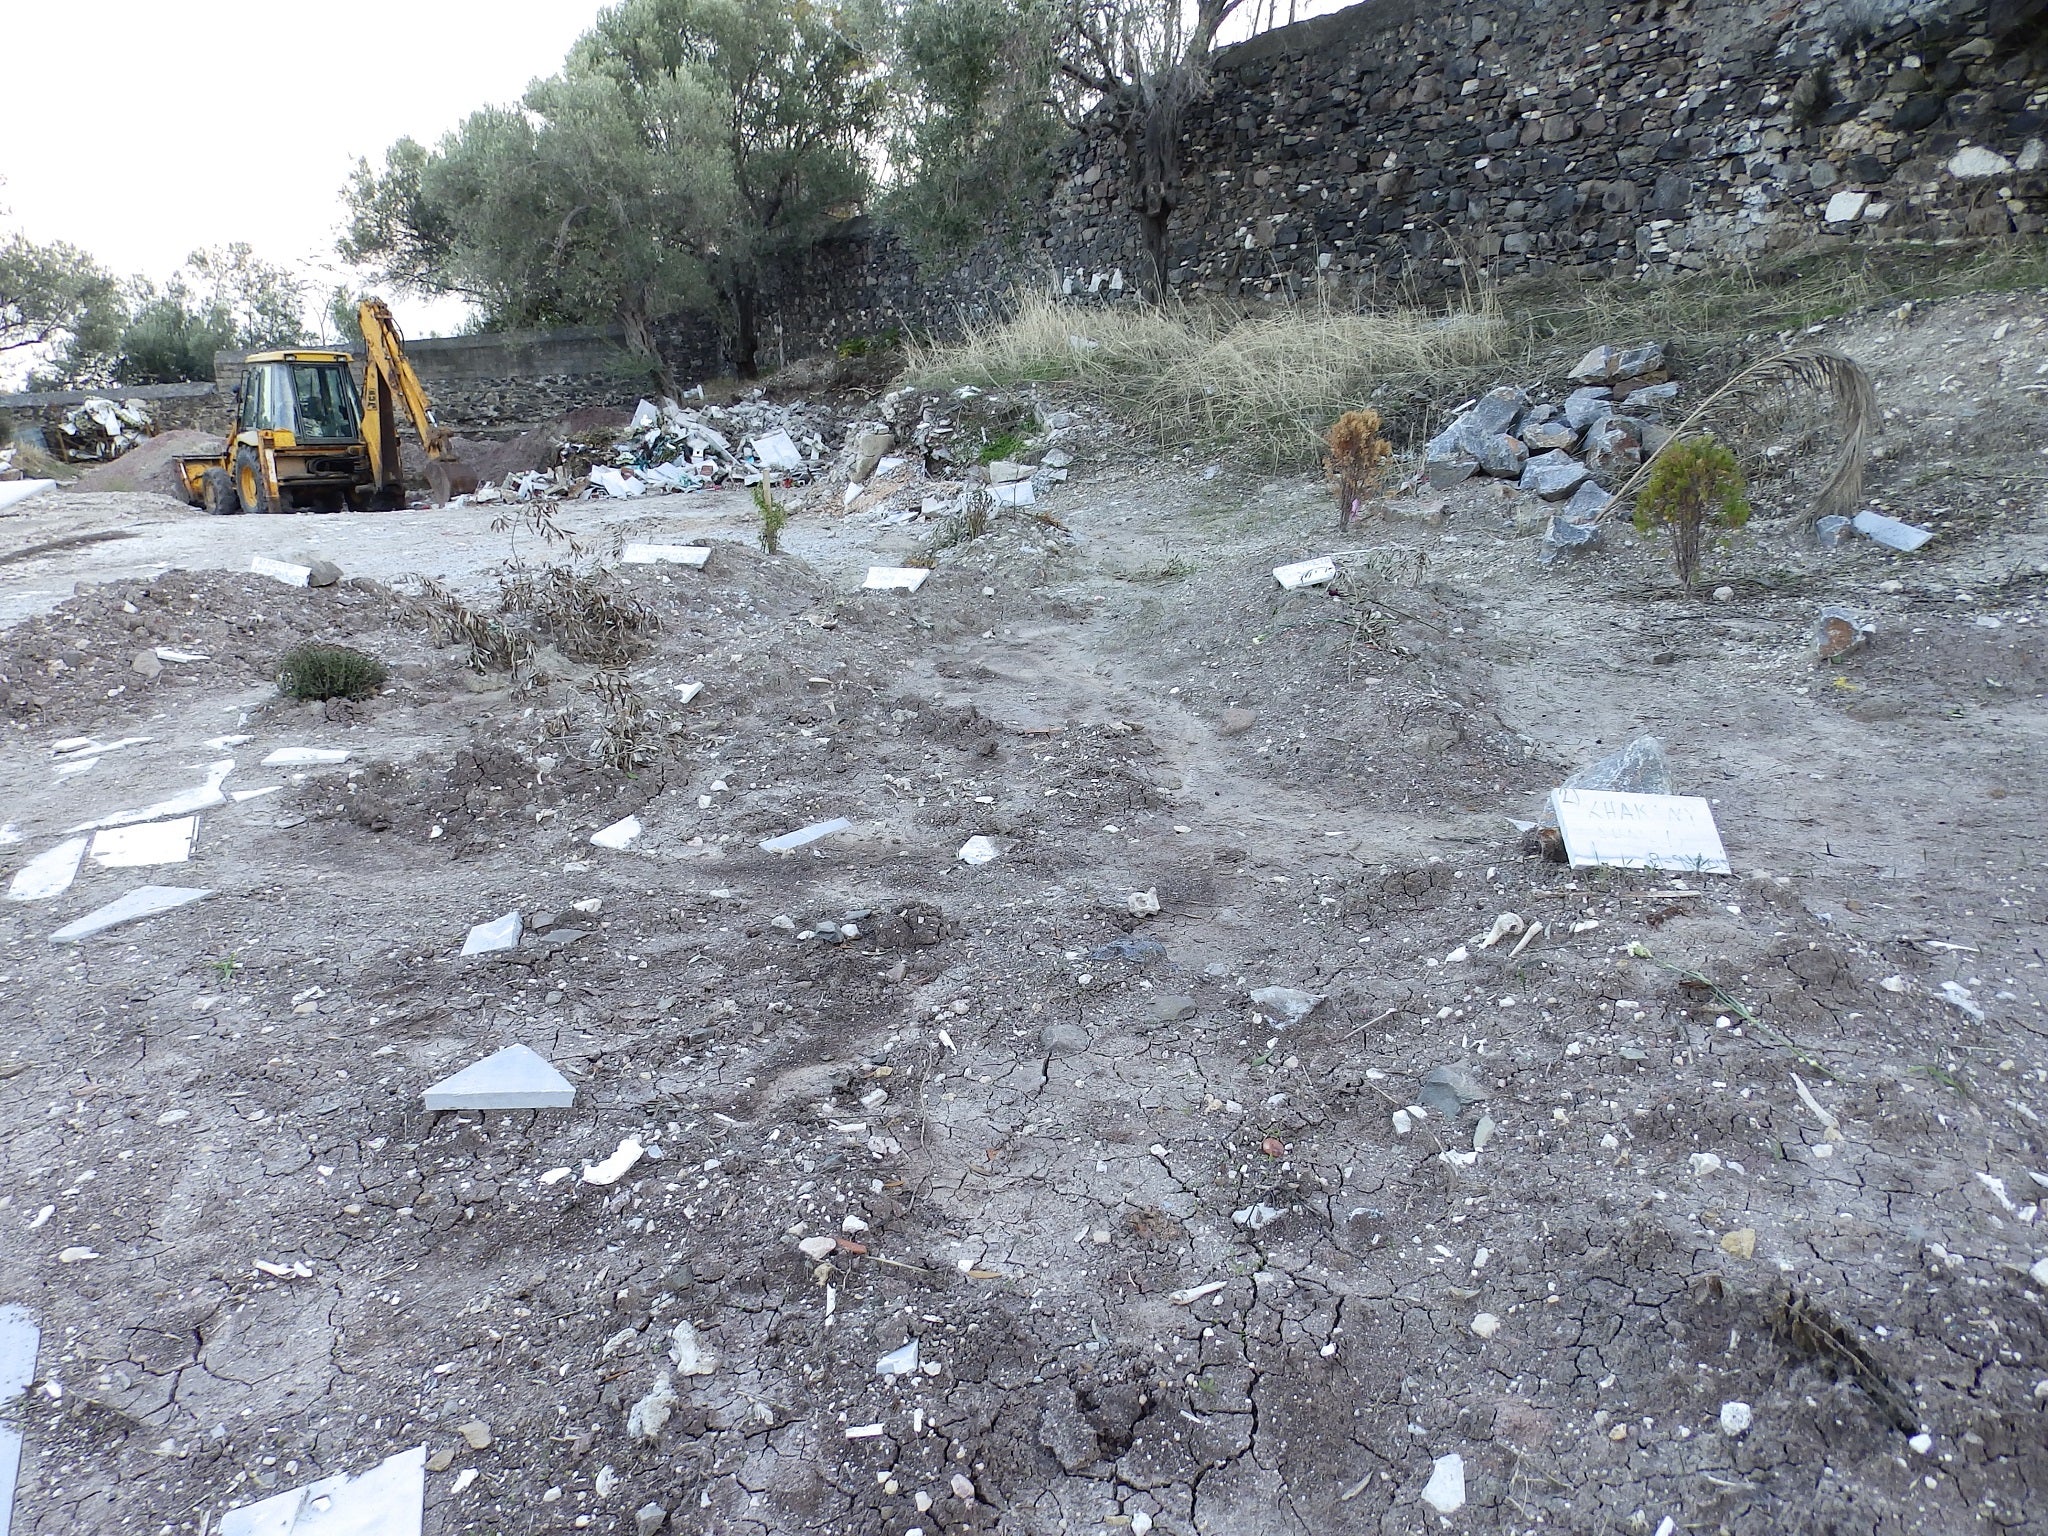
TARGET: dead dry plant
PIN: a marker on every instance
(584, 615)
(1752, 402)
(451, 621)
(626, 730)
(1357, 460)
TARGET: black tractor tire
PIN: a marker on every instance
(251, 490)
(217, 493)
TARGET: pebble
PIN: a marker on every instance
(477, 1433)
(1724, 594)
(1445, 1490)
(1486, 1325)
(1735, 1418)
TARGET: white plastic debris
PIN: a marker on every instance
(1736, 1418)
(978, 850)
(144, 901)
(1445, 1490)
(1306, 573)
(149, 842)
(1286, 1005)
(694, 555)
(47, 874)
(803, 835)
(518, 1077)
(281, 570)
(685, 692)
(893, 578)
(618, 1165)
(305, 757)
(499, 933)
(620, 834)
(387, 1500)
(898, 1362)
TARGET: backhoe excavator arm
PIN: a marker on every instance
(388, 378)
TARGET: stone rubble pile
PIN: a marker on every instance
(667, 447)
(102, 429)
(1568, 453)
(921, 457)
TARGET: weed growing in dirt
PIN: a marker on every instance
(225, 966)
(1357, 460)
(773, 515)
(1002, 446)
(1693, 484)
(971, 522)
(316, 672)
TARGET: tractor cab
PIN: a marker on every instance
(315, 401)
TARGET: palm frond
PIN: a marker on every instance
(1792, 376)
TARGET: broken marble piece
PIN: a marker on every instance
(978, 850)
(281, 570)
(620, 834)
(1306, 573)
(1889, 531)
(892, 578)
(144, 901)
(693, 555)
(204, 798)
(1445, 1490)
(899, 1362)
(146, 843)
(688, 691)
(47, 874)
(19, 1339)
(803, 835)
(386, 1500)
(500, 933)
(1015, 493)
(618, 1165)
(518, 1077)
(305, 757)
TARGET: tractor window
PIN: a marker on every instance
(328, 411)
(267, 398)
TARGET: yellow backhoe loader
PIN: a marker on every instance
(306, 439)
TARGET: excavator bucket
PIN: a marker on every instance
(448, 479)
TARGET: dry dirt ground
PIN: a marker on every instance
(1168, 1263)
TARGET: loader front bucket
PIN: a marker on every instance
(448, 479)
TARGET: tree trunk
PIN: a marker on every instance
(746, 330)
(645, 345)
(1152, 124)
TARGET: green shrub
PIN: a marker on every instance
(1693, 484)
(330, 672)
(773, 515)
(1001, 446)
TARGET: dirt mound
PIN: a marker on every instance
(149, 467)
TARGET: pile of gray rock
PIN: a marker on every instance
(1567, 453)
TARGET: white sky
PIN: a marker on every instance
(142, 130)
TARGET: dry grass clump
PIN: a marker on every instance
(1264, 383)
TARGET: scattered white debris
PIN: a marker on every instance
(863, 1431)
(47, 874)
(898, 1362)
(144, 901)
(618, 1165)
(204, 798)
(1286, 1005)
(151, 842)
(1505, 926)
(1736, 1418)
(644, 1420)
(685, 692)
(1922, 1443)
(1486, 1325)
(1445, 1490)
(1016, 493)
(305, 757)
(384, 1501)
(500, 933)
(891, 578)
(518, 1077)
(620, 834)
(281, 570)
(77, 1255)
(688, 1352)
(1306, 573)
(818, 1249)
(1959, 996)
(555, 1176)
(694, 555)
(978, 850)
(1403, 1122)
(803, 835)
(1195, 1293)
(1703, 1163)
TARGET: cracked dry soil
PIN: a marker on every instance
(1032, 1123)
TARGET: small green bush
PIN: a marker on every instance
(1693, 484)
(330, 672)
(773, 515)
(1001, 446)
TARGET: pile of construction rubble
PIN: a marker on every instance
(102, 429)
(667, 447)
(1563, 453)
